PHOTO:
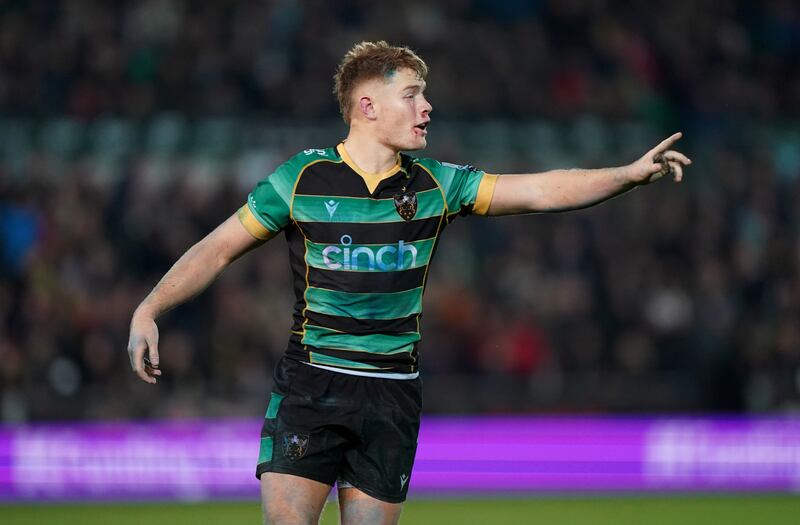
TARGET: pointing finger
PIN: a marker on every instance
(666, 143)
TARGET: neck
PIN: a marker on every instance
(368, 153)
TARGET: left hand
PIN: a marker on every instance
(653, 164)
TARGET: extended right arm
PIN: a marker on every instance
(190, 275)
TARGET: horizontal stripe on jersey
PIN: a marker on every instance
(361, 233)
(322, 359)
(403, 362)
(375, 343)
(342, 180)
(366, 282)
(312, 208)
(365, 305)
(352, 325)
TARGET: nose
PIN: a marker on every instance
(426, 106)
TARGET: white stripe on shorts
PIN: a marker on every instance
(388, 375)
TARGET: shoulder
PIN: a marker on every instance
(286, 174)
(297, 163)
(439, 166)
(445, 172)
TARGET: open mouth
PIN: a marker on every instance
(422, 127)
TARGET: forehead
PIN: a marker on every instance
(404, 77)
(390, 84)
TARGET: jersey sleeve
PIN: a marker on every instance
(267, 210)
(467, 189)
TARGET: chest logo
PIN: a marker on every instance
(331, 206)
(406, 205)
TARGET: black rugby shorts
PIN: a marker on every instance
(330, 426)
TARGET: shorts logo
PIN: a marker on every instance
(406, 205)
(403, 480)
(295, 445)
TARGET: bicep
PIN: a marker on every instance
(230, 240)
(514, 194)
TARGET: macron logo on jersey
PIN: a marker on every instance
(331, 206)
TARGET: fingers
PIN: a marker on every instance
(677, 156)
(667, 142)
(658, 169)
(668, 162)
(677, 170)
(665, 168)
(150, 368)
(153, 347)
(143, 366)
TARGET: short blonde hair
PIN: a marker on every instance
(369, 60)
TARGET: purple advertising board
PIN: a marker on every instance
(216, 459)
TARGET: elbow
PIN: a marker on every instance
(223, 258)
(210, 255)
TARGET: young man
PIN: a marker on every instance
(362, 221)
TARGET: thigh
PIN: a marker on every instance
(356, 507)
(291, 500)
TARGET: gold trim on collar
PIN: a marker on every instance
(370, 179)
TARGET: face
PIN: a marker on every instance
(400, 111)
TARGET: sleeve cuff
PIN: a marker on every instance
(252, 225)
(485, 193)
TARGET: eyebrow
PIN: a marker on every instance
(415, 87)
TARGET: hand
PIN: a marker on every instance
(658, 162)
(143, 347)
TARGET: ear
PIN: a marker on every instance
(366, 108)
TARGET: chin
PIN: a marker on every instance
(416, 145)
(413, 143)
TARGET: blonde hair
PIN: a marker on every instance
(369, 60)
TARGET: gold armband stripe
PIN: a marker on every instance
(485, 194)
(252, 225)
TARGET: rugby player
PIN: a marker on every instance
(362, 221)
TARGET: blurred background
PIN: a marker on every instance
(129, 129)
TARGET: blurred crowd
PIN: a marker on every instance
(661, 59)
(675, 297)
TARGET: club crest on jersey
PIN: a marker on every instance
(406, 205)
(295, 445)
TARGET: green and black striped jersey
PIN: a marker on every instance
(359, 247)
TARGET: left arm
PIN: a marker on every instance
(562, 190)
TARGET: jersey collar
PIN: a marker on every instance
(370, 179)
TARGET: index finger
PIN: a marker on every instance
(666, 143)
